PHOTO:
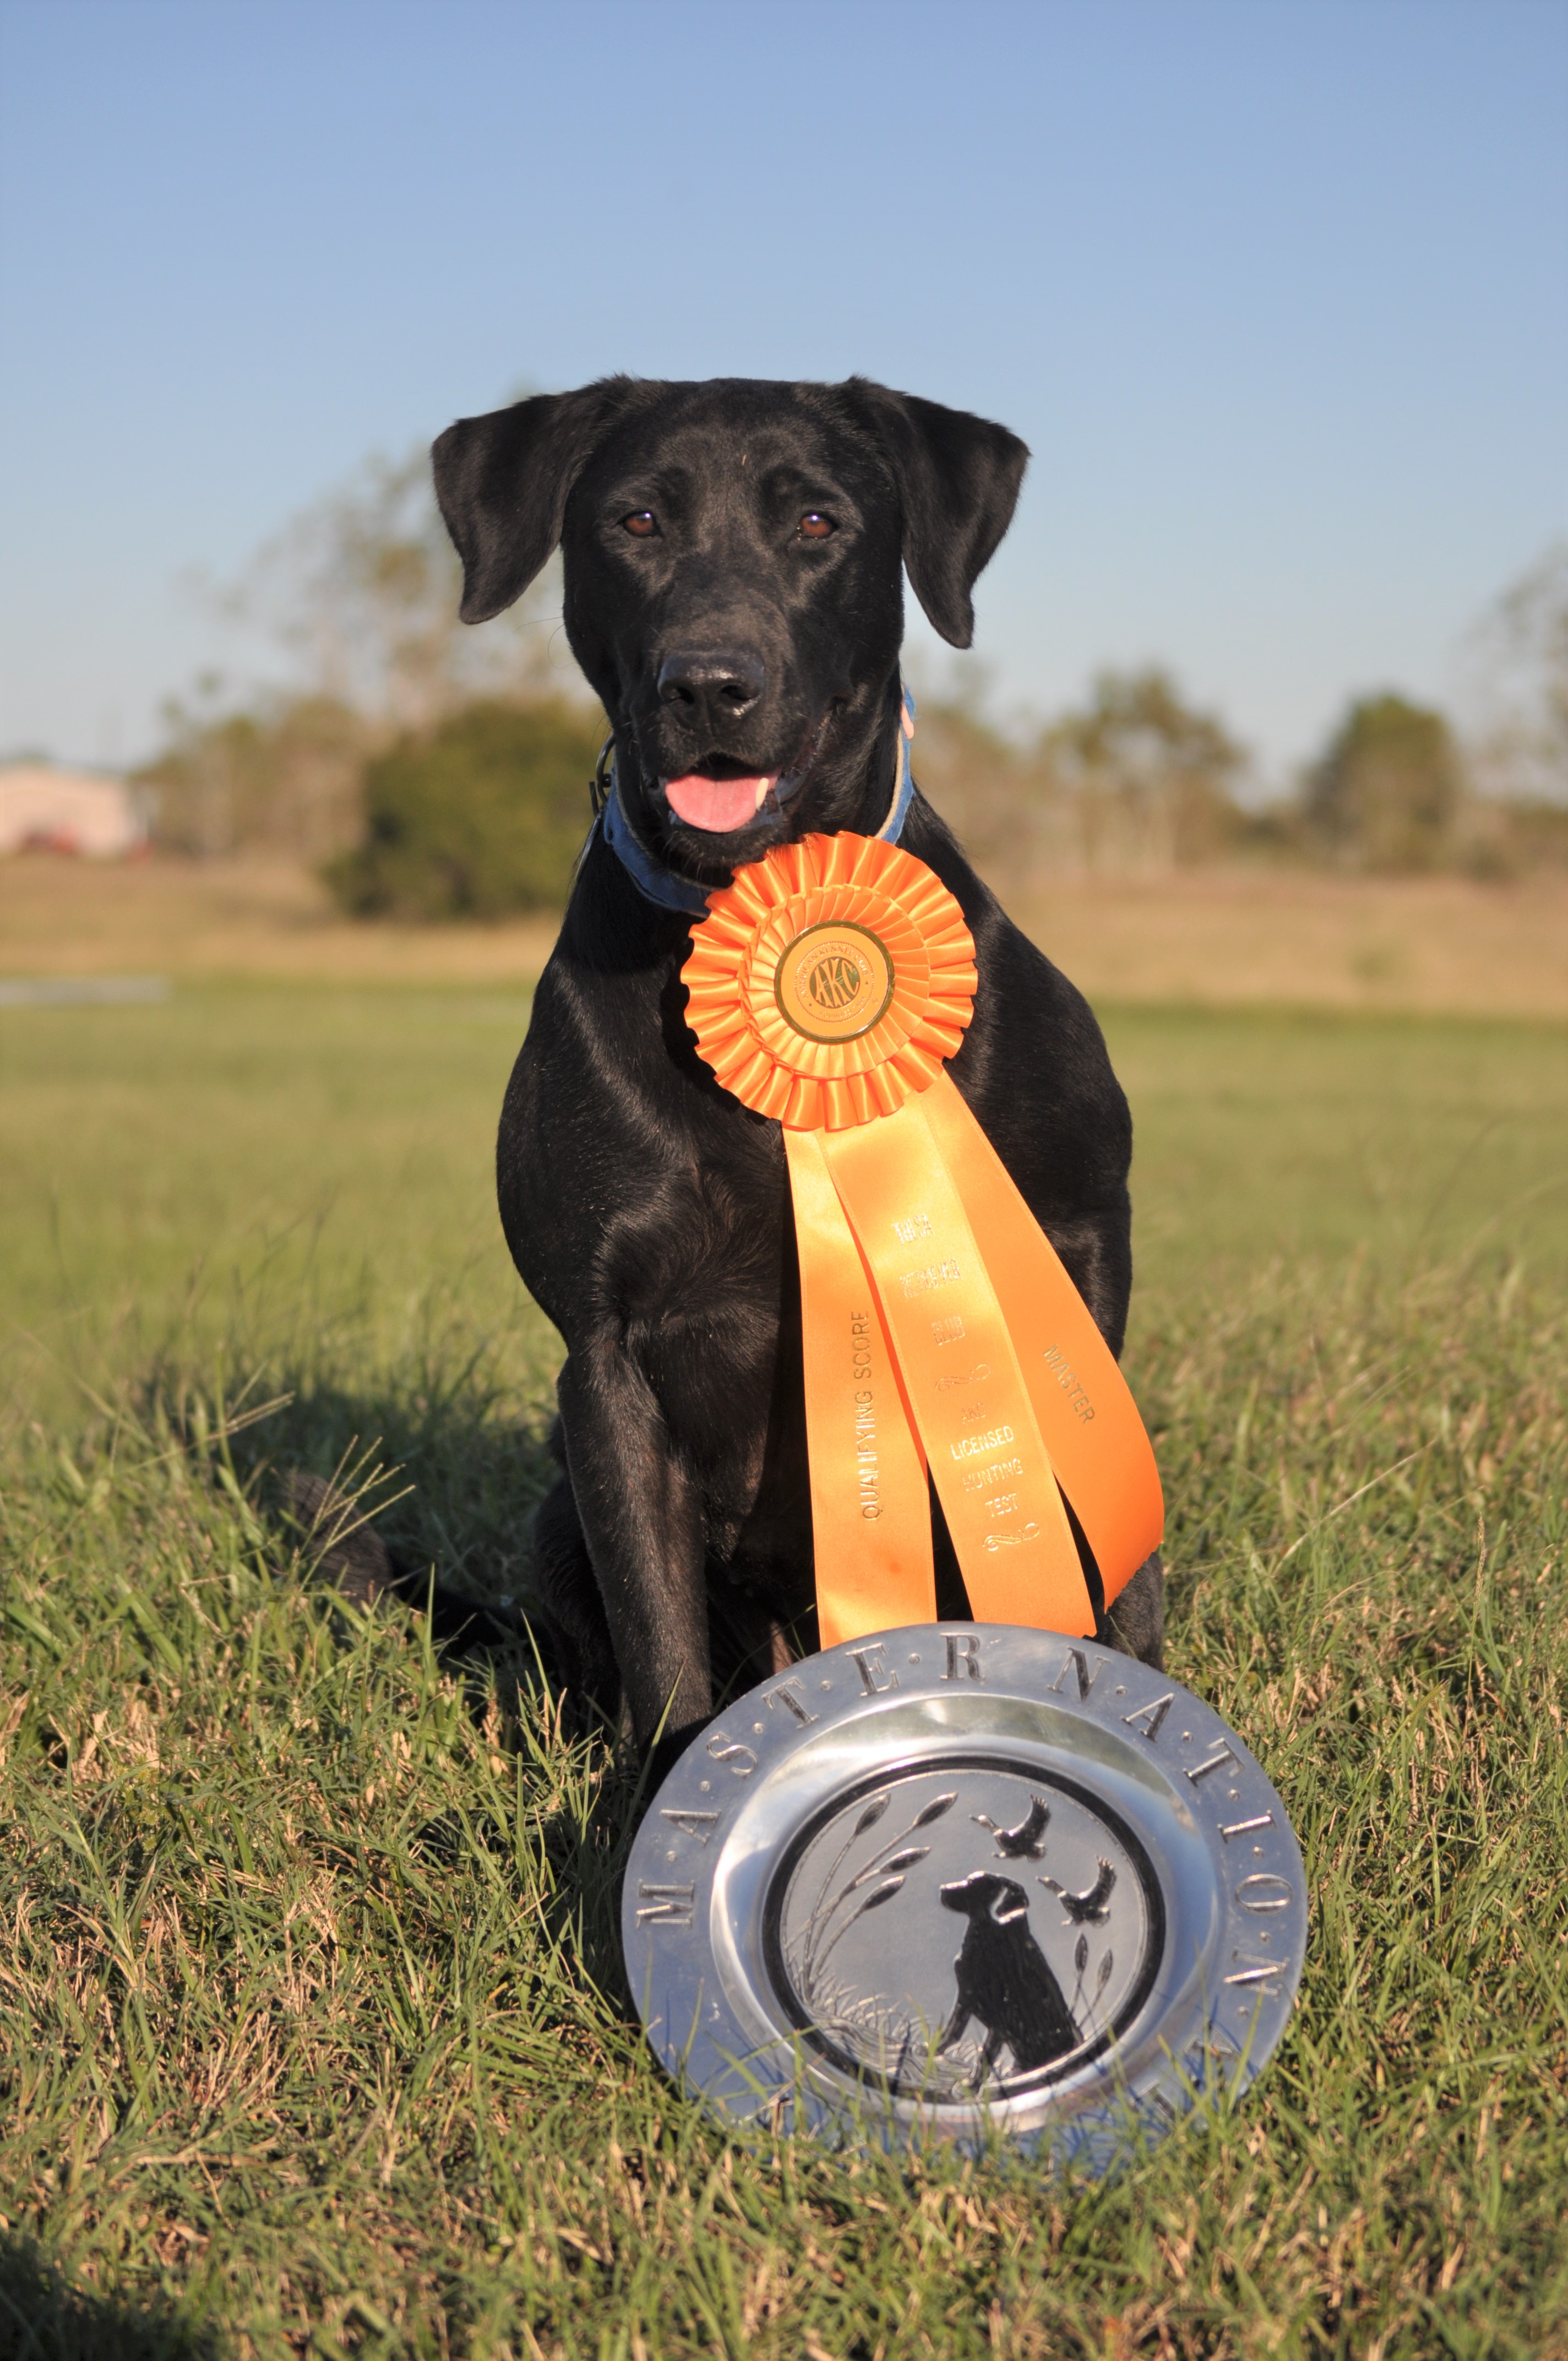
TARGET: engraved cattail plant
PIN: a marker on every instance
(884, 1872)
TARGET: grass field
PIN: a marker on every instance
(311, 2032)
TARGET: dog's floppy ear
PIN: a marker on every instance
(957, 478)
(503, 480)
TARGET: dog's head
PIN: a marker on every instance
(983, 1894)
(733, 557)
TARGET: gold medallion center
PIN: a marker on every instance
(833, 981)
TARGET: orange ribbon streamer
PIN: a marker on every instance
(871, 1515)
(826, 986)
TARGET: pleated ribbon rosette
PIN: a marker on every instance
(827, 986)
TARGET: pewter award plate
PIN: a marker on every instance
(963, 1878)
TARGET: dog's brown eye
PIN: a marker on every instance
(641, 523)
(815, 526)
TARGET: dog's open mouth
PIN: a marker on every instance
(721, 800)
(718, 805)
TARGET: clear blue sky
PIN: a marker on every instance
(1277, 292)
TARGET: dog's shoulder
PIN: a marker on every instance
(615, 1138)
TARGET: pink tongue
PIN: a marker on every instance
(716, 803)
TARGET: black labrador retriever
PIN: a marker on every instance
(734, 552)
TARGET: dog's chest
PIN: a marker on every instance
(643, 1207)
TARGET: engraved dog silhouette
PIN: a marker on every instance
(1005, 1980)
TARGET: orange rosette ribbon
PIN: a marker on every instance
(829, 981)
(827, 987)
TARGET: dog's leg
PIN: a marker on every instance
(746, 1643)
(569, 1597)
(642, 1519)
(1096, 1251)
(1135, 1620)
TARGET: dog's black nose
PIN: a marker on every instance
(720, 683)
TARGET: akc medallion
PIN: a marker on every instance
(965, 1876)
(833, 982)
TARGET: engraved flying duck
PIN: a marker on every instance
(1092, 1908)
(1026, 1841)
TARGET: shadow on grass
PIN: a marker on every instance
(42, 2318)
(433, 1471)
(459, 1468)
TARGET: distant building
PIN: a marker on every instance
(48, 809)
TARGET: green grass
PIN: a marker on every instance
(312, 2037)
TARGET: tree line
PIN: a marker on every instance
(430, 770)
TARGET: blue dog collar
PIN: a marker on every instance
(668, 892)
(653, 882)
(891, 827)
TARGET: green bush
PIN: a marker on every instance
(484, 816)
(1386, 794)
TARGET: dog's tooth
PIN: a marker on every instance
(762, 786)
